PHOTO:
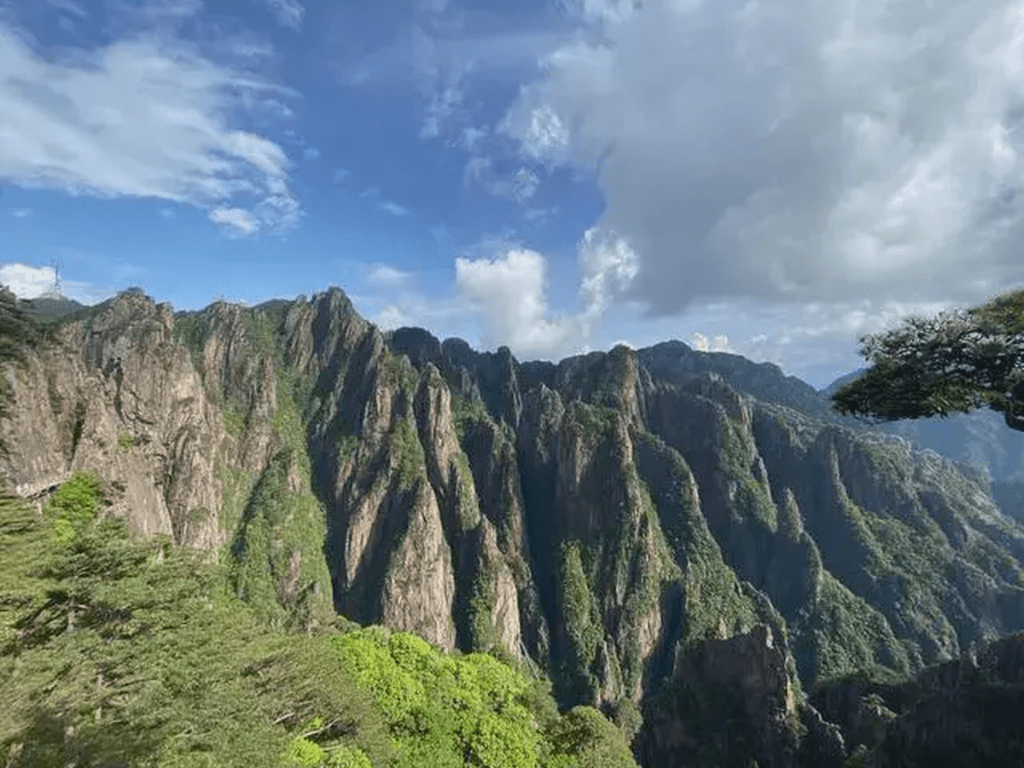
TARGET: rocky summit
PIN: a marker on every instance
(690, 542)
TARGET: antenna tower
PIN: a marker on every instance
(54, 292)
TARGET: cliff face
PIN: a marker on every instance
(603, 517)
(963, 712)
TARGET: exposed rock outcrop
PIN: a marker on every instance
(745, 682)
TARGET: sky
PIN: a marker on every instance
(773, 179)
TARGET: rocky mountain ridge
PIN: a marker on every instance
(605, 517)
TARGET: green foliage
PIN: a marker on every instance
(597, 421)
(584, 738)
(469, 511)
(160, 667)
(347, 446)
(125, 442)
(711, 592)
(77, 425)
(628, 718)
(304, 753)
(583, 626)
(956, 362)
(234, 421)
(481, 611)
(278, 529)
(466, 413)
(75, 504)
(841, 633)
(408, 451)
(472, 710)
(193, 329)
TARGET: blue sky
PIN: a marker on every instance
(770, 179)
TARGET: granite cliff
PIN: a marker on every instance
(623, 521)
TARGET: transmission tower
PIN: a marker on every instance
(54, 292)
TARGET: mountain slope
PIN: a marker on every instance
(979, 441)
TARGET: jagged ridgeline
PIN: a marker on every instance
(607, 519)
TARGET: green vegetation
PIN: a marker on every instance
(75, 505)
(466, 413)
(583, 626)
(597, 421)
(411, 462)
(125, 442)
(234, 421)
(193, 329)
(77, 425)
(469, 510)
(841, 633)
(276, 565)
(117, 651)
(711, 591)
(959, 361)
(481, 611)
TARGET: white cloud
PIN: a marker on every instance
(393, 208)
(543, 135)
(25, 280)
(391, 317)
(518, 186)
(340, 174)
(234, 221)
(609, 265)
(509, 292)
(871, 152)
(311, 153)
(21, 213)
(288, 13)
(139, 118)
(384, 275)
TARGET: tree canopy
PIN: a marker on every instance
(957, 362)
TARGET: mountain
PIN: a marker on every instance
(630, 523)
(979, 440)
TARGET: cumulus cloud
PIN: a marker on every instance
(27, 281)
(511, 294)
(140, 118)
(870, 151)
(509, 291)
